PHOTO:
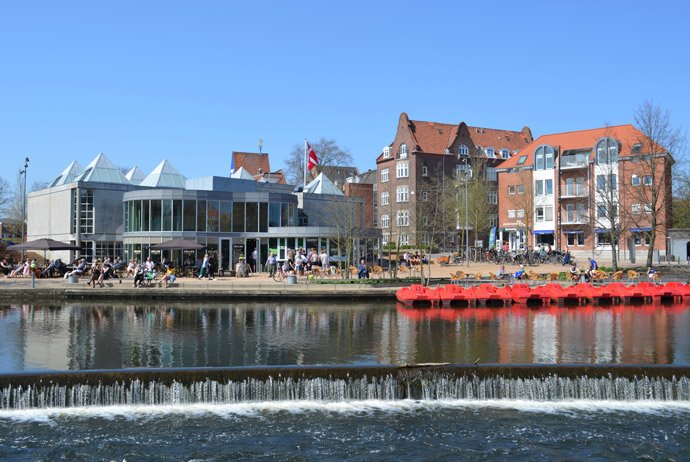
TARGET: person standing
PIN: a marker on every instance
(203, 271)
(325, 262)
(271, 264)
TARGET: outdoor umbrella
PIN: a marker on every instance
(45, 244)
(177, 244)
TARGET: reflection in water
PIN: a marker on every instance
(78, 337)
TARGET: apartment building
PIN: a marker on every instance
(426, 156)
(585, 188)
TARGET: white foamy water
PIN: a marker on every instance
(266, 409)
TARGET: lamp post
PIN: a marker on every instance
(467, 215)
(23, 172)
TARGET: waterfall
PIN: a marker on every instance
(328, 384)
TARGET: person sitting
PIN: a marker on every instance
(651, 273)
(362, 272)
(574, 272)
(519, 274)
(169, 277)
(117, 267)
(131, 267)
(5, 267)
(78, 271)
(502, 273)
(591, 273)
(21, 268)
(138, 276)
(425, 260)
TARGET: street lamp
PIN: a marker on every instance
(23, 172)
(467, 217)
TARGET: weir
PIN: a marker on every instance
(344, 383)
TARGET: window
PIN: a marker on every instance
(425, 170)
(493, 197)
(606, 181)
(386, 152)
(636, 209)
(385, 198)
(637, 147)
(521, 160)
(640, 238)
(462, 171)
(543, 157)
(505, 153)
(548, 213)
(601, 211)
(521, 214)
(604, 239)
(384, 175)
(426, 221)
(521, 189)
(404, 239)
(540, 214)
(402, 170)
(403, 151)
(490, 153)
(647, 208)
(635, 181)
(493, 220)
(385, 221)
(511, 189)
(403, 218)
(606, 151)
(539, 188)
(576, 240)
(647, 180)
(403, 194)
(491, 174)
(86, 217)
(548, 185)
(511, 213)
(463, 150)
(425, 196)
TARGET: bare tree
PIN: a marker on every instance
(14, 207)
(326, 150)
(37, 185)
(5, 193)
(658, 141)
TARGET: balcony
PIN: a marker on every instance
(573, 193)
(574, 218)
(574, 161)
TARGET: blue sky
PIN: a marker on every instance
(193, 81)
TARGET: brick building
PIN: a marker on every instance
(585, 188)
(427, 156)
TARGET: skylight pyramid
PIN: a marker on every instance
(135, 175)
(242, 174)
(164, 176)
(101, 170)
(68, 175)
(322, 185)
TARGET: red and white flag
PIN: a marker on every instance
(313, 160)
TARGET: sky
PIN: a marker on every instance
(191, 82)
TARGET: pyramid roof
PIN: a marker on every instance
(135, 175)
(242, 174)
(164, 176)
(322, 185)
(68, 175)
(101, 170)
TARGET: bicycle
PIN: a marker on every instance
(279, 275)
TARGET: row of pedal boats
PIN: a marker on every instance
(582, 293)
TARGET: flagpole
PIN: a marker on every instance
(305, 163)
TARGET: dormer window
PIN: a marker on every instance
(403, 151)
(464, 150)
(637, 147)
(386, 152)
(505, 153)
(490, 153)
(606, 151)
(543, 157)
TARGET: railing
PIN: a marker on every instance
(573, 192)
(576, 161)
(574, 218)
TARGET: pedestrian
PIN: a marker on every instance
(271, 263)
(203, 271)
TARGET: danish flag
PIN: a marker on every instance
(313, 160)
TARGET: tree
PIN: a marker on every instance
(38, 185)
(328, 153)
(14, 207)
(658, 140)
(5, 193)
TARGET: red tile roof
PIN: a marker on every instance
(277, 177)
(433, 137)
(628, 135)
(500, 139)
(251, 162)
